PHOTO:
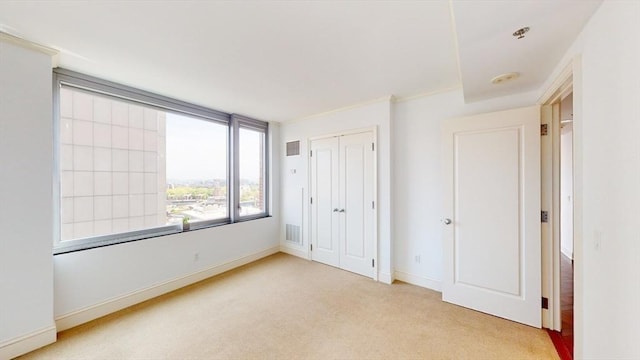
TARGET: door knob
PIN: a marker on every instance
(335, 210)
(341, 210)
(447, 221)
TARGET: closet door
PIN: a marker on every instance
(356, 211)
(325, 201)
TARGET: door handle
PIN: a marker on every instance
(335, 210)
(447, 221)
(341, 210)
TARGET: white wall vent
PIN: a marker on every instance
(293, 148)
(292, 234)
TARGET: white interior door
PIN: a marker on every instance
(325, 201)
(492, 214)
(356, 200)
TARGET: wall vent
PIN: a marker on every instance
(293, 148)
(292, 234)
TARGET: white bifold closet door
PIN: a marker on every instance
(342, 208)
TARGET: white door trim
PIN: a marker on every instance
(550, 201)
(550, 197)
(342, 133)
(546, 234)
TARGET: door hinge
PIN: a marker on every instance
(544, 216)
(310, 153)
(373, 147)
(311, 246)
(311, 200)
(373, 204)
(545, 303)
(544, 129)
(373, 263)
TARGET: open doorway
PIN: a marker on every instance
(566, 221)
(557, 204)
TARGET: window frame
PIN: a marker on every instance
(128, 94)
(242, 122)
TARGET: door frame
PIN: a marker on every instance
(568, 80)
(374, 131)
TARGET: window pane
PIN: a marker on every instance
(196, 169)
(252, 174)
(127, 167)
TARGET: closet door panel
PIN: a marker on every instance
(356, 197)
(324, 186)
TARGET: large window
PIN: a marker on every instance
(135, 165)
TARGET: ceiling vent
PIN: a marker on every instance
(505, 77)
(293, 148)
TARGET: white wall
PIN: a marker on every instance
(417, 157)
(566, 176)
(566, 190)
(101, 277)
(607, 188)
(293, 185)
(26, 203)
(409, 176)
(95, 282)
(611, 182)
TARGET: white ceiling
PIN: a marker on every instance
(487, 47)
(289, 59)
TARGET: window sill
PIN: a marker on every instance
(109, 240)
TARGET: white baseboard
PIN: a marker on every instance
(295, 251)
(432, 284)
(93, 312)
(301, 253)
(27, 343)
(385, 278)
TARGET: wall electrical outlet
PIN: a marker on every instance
(417, 259)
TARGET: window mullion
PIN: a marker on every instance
(235, 169)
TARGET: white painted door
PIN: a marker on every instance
(325, 201)
(342, 208)
(492, 214)
(356, 200)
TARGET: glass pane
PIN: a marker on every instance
(196, 169)
(126, 167)
(252, 172)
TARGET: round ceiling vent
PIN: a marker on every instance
(505, 77)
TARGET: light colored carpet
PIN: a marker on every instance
(283, 307)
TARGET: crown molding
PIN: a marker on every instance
(27, 44)
(389, 99)
(427, 94)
